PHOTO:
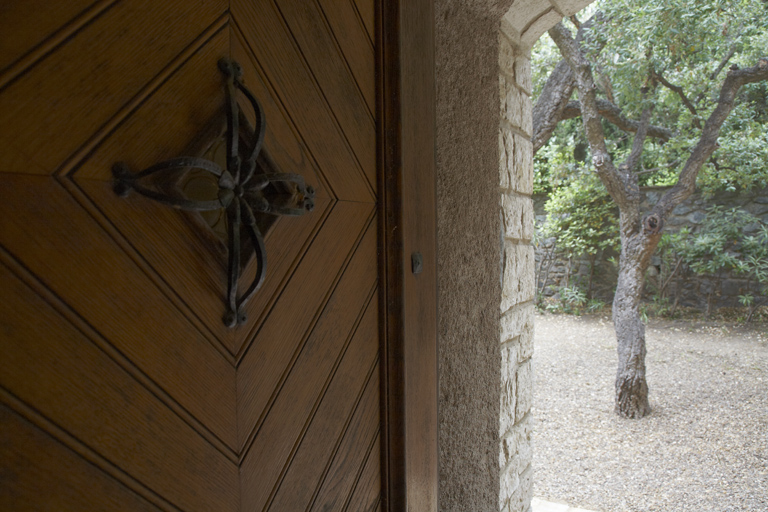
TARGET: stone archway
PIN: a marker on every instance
(486, 302)
(518, 31)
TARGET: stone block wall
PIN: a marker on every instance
(693, 290)
(519, 29)
(485, 419)
(517, 276)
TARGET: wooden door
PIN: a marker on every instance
(121, 387)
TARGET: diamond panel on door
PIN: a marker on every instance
(117, 372)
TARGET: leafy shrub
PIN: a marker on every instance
(719, 247)
(583, 217)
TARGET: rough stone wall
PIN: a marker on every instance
(515, 168)
(519, 29)
(693, 290)
(472, 411)
(468, 257)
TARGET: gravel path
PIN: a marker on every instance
(703, 448)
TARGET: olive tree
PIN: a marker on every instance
(656, 83)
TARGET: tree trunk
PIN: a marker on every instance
(631, 386)
(639, 238)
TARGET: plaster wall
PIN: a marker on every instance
(485, 262)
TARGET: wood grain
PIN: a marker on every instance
(187, 255)
(329, 422)
(264, 366)
(326, 62)
(39, 474)
(129, 108)
(355, 44)
(287, 243)
(419, 203)
(391, 260)
(407, 185)
(35, 27)
(338, 336)
(80, 86)
(185, 108)
(49, 365)
(179, 246)
(119, 386)
(271, 49)
(68, 251)
(366, 496)
(351, 455)
(283, 137)
(367, 10)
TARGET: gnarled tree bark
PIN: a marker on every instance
(553, 99)
(611, 112)
(548, 110)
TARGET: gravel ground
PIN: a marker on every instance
(703, 448)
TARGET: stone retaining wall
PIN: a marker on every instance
(693, 291)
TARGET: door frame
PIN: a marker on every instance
(407, 229)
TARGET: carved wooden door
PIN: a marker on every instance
(121, 387)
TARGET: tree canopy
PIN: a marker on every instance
(663, 95)
(674, 55)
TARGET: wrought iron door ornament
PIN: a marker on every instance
(241, 191)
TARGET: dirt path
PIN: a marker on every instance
(703, 448)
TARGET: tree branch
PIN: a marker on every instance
(619, 187)
(548, 110)
(551, 103)
(708, 141)
(611, 112)
(723, 62)
(633, 160)
(733, 38)
(575, 21)
(654, 169)
(679, 91)
(719, 167)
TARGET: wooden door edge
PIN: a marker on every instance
(407, 234)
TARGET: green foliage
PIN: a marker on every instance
(595, 305)
(557, 162)
(720, 247)
(544, 58)
(584, 221)
(685, 42)
(573, 296)
(572, 301)
(637, 47)
(671, 253)
(754, 266)
(582, 216)
(580, 213)
(741, 163)
(715, 248)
